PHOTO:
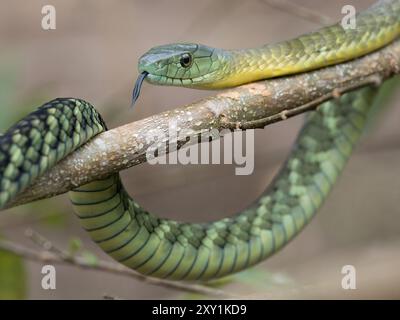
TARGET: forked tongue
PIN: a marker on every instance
(138, 86)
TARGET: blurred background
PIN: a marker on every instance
(93, 53)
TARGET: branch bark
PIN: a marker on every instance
(249, 106)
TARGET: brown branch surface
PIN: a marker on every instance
(249, 106)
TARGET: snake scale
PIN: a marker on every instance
(187, 251)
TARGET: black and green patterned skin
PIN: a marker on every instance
(40, 140)
(185, 251)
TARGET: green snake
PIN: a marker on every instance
(189, 251)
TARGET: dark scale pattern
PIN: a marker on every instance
(41, 139)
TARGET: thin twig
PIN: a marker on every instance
(264, 101)
(45, 243)
(45, 256)
(300, 11)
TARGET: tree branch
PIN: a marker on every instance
(56, 256)
(249, 106)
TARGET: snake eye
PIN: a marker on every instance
(186, 60)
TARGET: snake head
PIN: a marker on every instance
(183, 64)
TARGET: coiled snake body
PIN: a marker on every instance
(184, 251)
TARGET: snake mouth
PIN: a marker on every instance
(138, 86)
(164, 80)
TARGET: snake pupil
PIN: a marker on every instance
(186, 60)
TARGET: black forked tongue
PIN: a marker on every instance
(138, 86)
